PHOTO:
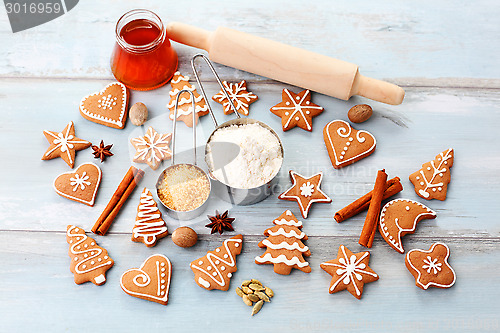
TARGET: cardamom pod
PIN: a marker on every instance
(255, 286)
(262, 296)
(257, 307)
(256, 281)
(253, 297)
(246, 283)
(247, 290)
(269, 292)
(246, 300)
(240, 292)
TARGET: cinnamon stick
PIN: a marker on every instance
(371, 220)
(125, 188)
(394, 186)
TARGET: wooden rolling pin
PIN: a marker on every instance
(285, 63)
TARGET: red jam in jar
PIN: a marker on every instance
(143, 58)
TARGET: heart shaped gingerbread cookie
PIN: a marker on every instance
(80, 185)
(107, 107)
(151, 281)
(345, 144)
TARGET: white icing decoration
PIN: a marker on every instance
(285, 245)
(432, 265)
(282, 259)
(239, 95)
(439, 170)
(288, 222)
(145, 226)
(152, 147)
(217, 277)
(74, 249)
(350, 269)
(307, 189)
(297, 108)
(291, 234)
(120, 121)
(80, 182)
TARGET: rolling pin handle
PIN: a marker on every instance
(377, 90)
(189, 35)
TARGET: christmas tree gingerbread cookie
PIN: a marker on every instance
(149, 226)
(241, 97)
(285, 249)
(349, 271)
(306, 191)
(185, 108)
(431, 181)
(214, 271)
(89, 261)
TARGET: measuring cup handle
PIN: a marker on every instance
(224, 90)
(193, 103)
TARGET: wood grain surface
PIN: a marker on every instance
(445, 55)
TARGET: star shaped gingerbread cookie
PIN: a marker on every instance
(349, 271)
(152, 148)
(241, 97)
(305, 191)
(296, 110)
(64, 144)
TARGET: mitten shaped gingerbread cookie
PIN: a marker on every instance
(285, 249)
(431, 181)
(149, 226)
(214, 271)
(89, 261)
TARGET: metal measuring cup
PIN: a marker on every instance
(234, 195)
(187, 214)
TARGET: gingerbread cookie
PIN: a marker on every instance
(89, 261)
(345, 144)
(241, 97)
(400, 217)
(214, 271)
(107, 107)
(349, 271)
(431, 181)
(80, 185)
(149, 226)
(64, 144)
(285, 249)
(185, 108)
(151, 281)
(152, 148)
(305, 191)
(296, 110)
(430, 268)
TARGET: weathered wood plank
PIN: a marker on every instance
(388, 39)
(37, 284)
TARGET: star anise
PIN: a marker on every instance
(102, 151)
(219, 223)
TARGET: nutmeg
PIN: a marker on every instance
(184, 237)
(138, 114)
(360, 113)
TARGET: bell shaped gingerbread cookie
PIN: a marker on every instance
(431, 268)
(400, 217)
(431, 181)
(214, 271)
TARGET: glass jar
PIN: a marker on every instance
(143, 58)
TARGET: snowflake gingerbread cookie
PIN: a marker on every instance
(152, 148)
(64, 144)
(149, 226)
(214, 271)
(296, 110)
(241, 97)
(349, 271)
(285, 249)
(89, 261)
(305, 191)
(80, 185)
(151, 281)
(431, 181)
(185, 107)
(431, 268)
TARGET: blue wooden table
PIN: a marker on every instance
(445, 55)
